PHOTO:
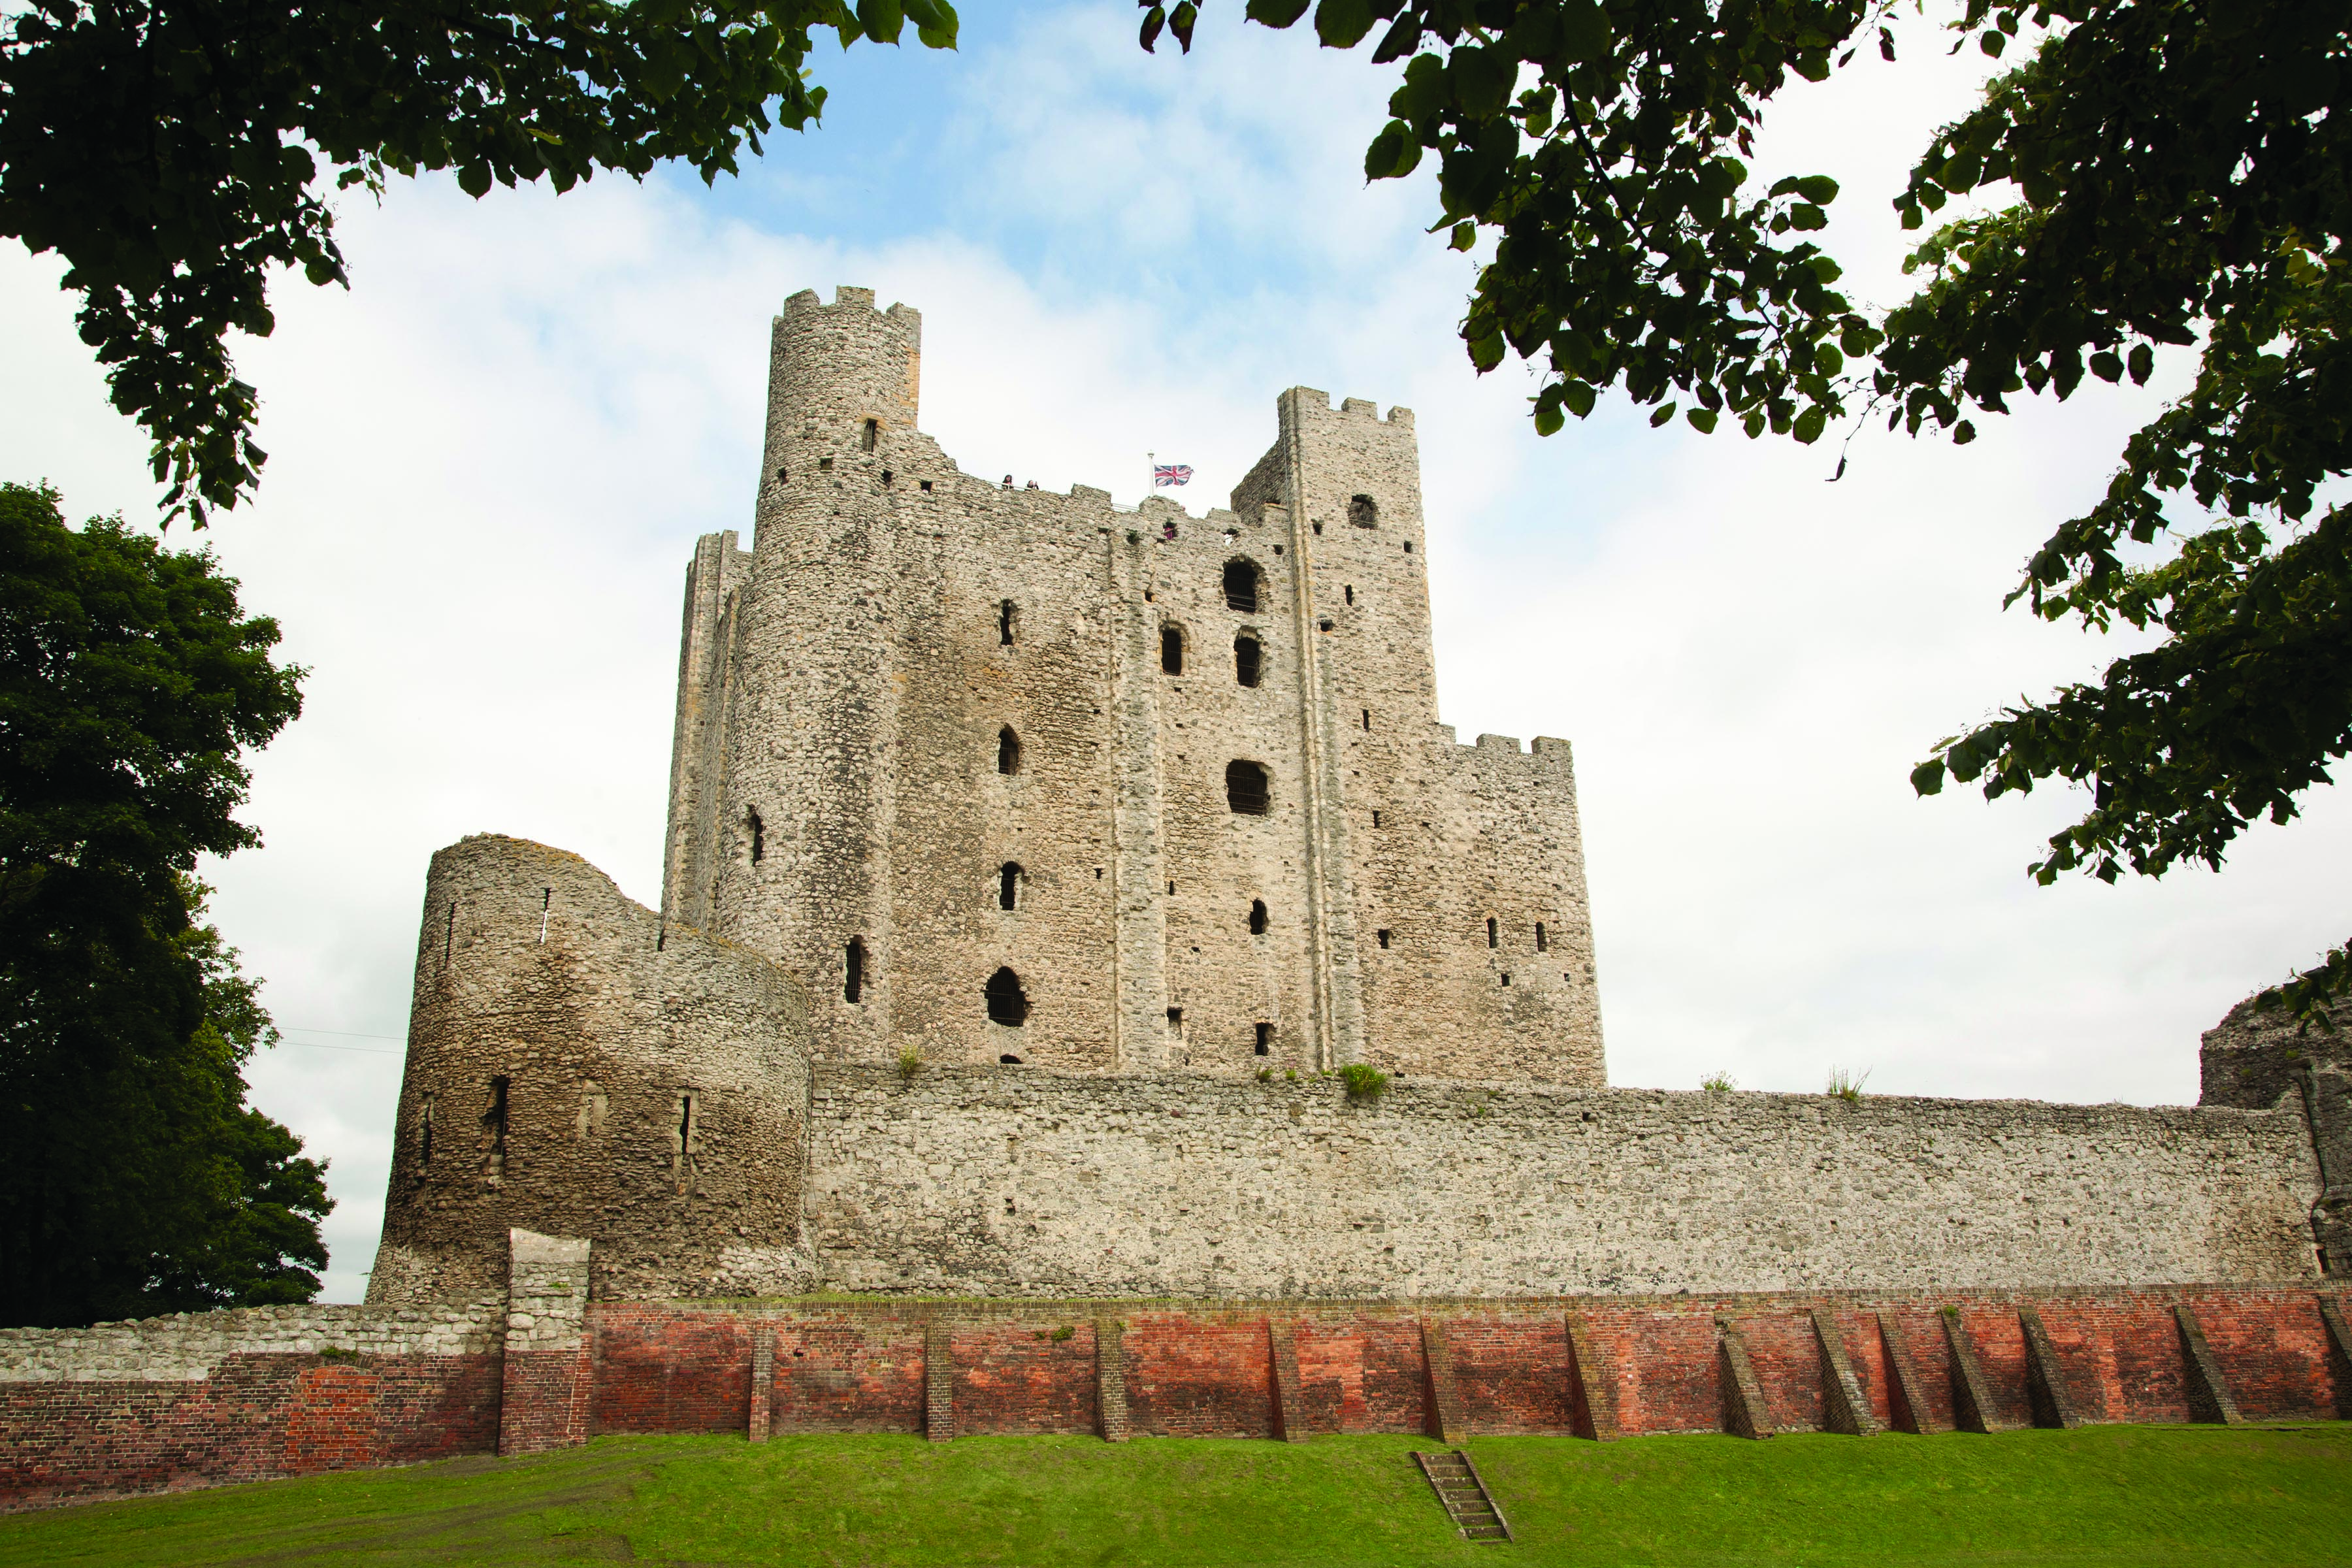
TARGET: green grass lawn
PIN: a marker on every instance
(2144, 1496)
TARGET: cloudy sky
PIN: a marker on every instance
(490, 459)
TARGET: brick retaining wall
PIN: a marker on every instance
(231, 1396)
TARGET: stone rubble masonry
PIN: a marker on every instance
(174, 1403)
(2255, 1058)
(844, 684)
(577, 1067)
(971, 1181)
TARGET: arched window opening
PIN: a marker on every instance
(1008, 750)
(1004, 618)
(1246, 788)
(853, 971)
(1008, 886)
(758, 835)
(1543, 942)
(1007, 1004)
(1172, 650)
(1241, 585)
(1248, 659)
(1363, 512)
(1384, 938)
(1257, 916)
(1490, 930)
(873, 435)
(1265, 1039)
(1507, 977)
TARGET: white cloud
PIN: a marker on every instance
(490, 460)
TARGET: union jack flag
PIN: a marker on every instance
(1166, 474)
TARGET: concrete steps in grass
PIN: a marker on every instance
(1463, 1494)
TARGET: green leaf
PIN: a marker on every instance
(1487, 353)
(2142, 364)
(881, 20)
(1276, 12)
(1577, 396)
(1819, 189)
(1807, 429)
(1393, 153)
(1665, 412)
(2107, 365)
(1702, 420)
(1584, 32)
(1927, 778)
(1549, 418)
(1343, 23)
(936, 23)
(474, 179)
(1465, 234)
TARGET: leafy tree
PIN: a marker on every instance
(134, 1178)
(176, 152)
(2152, 172)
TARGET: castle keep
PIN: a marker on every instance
(1174, 787)
(1033, 868)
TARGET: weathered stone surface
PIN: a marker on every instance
(577, 1068)
(967, 1180)
(844, 685)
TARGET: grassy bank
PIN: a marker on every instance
(2142, 1496)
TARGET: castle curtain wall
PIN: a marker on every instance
(973, 1182)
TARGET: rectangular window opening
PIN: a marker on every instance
(872, 435)
(1384, 939)
(1265, 1039)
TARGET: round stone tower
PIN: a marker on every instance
(804, 808)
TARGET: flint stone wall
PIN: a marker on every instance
(1017, 1182)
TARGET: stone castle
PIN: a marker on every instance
(1036, 873)
(1032, 863)
(1009, 777)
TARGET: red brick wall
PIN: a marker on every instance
(1202, 1371)
(256, 1416)
(544, 1400)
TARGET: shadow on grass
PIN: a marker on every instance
(2148, 1497)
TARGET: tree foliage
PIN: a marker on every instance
(2151, 172)
(134, 1178)
(175, 152)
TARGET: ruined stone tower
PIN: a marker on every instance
(1016, 776)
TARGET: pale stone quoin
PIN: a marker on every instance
(1032, 864)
